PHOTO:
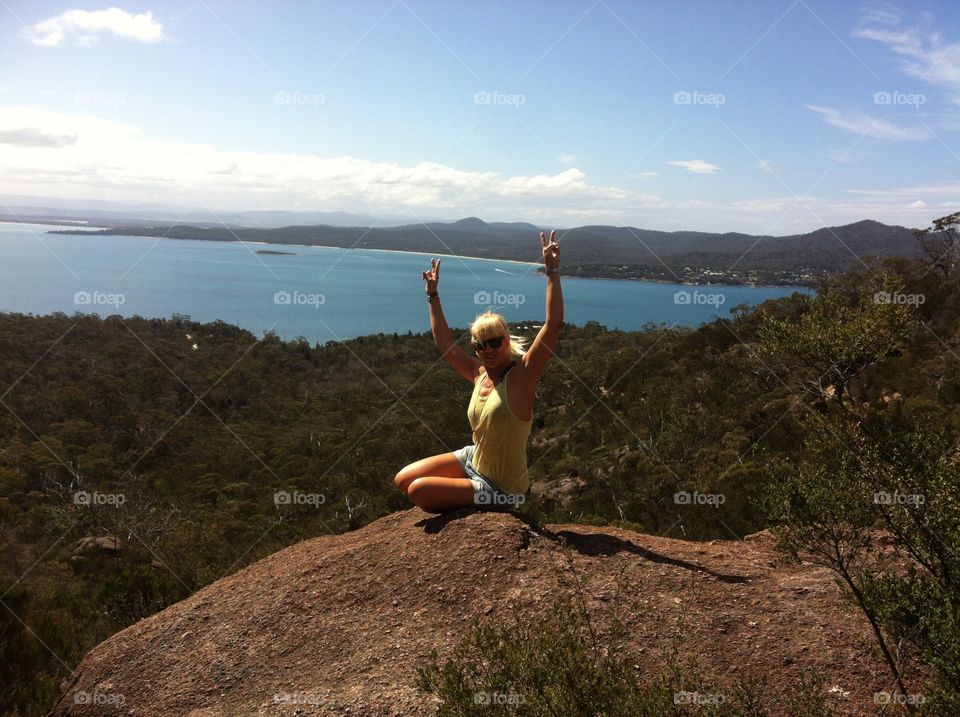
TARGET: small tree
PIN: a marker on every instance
(941, 244)
(827, 504)
(850, 325)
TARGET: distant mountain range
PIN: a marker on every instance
(599, 251)
(587, 251)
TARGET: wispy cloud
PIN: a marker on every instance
(881, 13)
(941, 189)
(697, 166)
(870, 126)
(86, 26)
(29, 137)
(924, 54)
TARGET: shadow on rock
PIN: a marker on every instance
(595, 543)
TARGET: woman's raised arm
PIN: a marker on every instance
(460, 360)
(542, 348)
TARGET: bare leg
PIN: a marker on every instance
(444, 465)
(436, 483)
(436, 494)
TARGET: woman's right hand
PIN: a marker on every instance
(432, 277)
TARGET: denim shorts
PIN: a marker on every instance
(486, 494)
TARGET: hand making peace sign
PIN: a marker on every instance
(551, 250)
(551, 260)
(432, 276)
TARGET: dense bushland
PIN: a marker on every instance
(192, 462)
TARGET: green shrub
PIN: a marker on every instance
(555, 667)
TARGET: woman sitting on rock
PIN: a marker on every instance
(492, 472)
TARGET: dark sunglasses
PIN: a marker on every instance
(494, 343)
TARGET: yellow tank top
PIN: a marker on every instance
(500, 437)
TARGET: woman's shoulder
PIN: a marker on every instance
(519, 370)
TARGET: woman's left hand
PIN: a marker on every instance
(551, 250)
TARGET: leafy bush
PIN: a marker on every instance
(556, 666)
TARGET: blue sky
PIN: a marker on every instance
(763, 117)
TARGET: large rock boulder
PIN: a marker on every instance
(337, 624)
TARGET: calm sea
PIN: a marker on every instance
(321, 293)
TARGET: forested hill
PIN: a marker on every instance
(620, 252)
(141, 459)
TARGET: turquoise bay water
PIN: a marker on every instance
(323, 294)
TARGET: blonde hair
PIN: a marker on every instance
(489, 324)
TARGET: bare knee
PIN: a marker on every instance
(415, 488)
(418, 491)
(403, 479)
(436, 494)
(444, 465)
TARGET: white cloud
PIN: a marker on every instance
(568, 182)
(924, 54)
(87, 26)
(862, 124)
(772, 216)
(33, 138)
(100, 158)
(948, 189)
(881, 14)
(104, 160)
(919, 204)
(697, 166)
(567, 159)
